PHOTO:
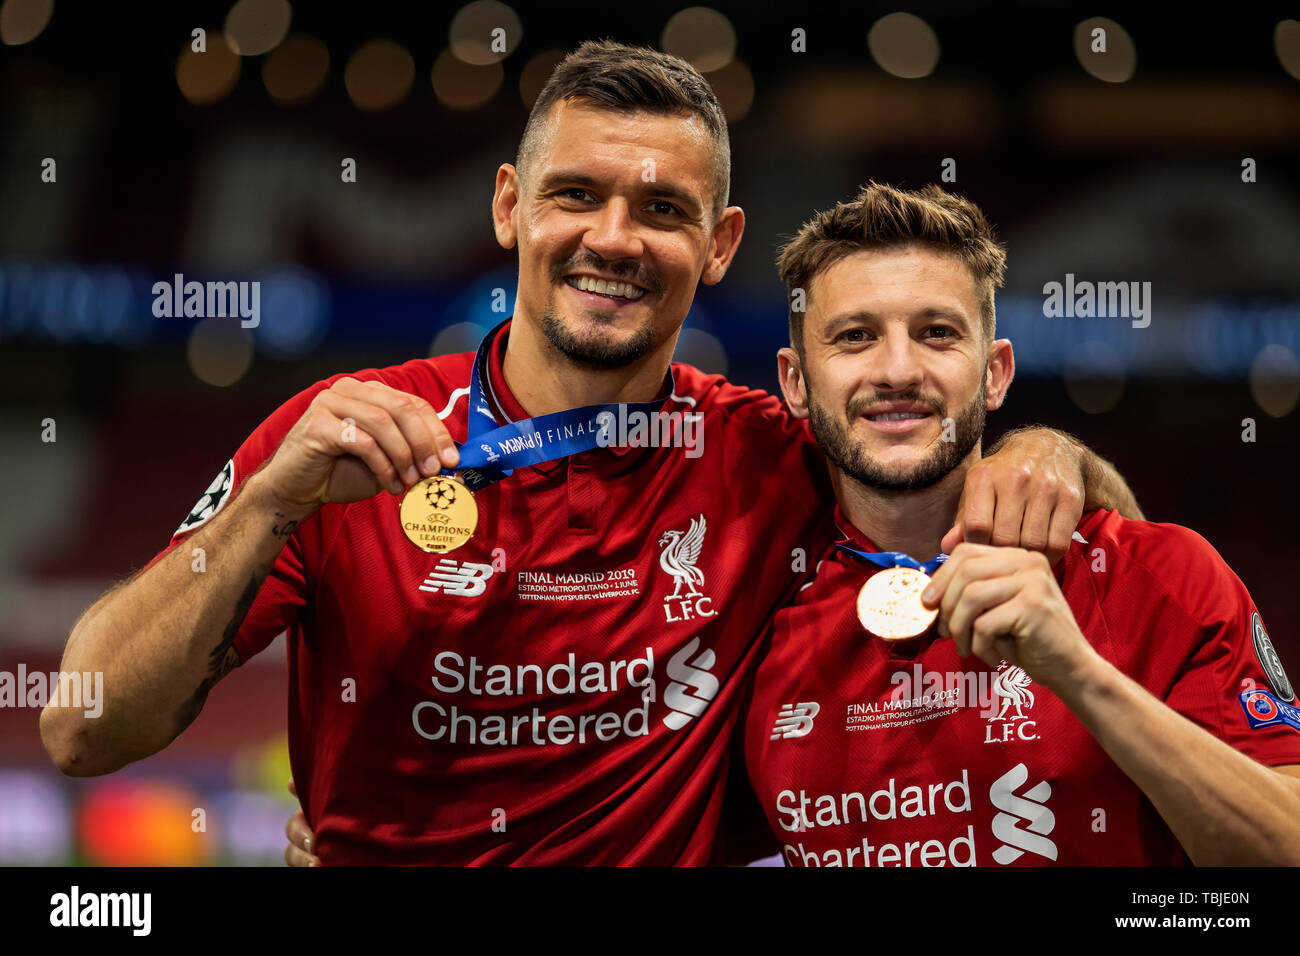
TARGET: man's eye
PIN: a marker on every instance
(663, 207)
(575, 192)
(854, 336)
(940, 332)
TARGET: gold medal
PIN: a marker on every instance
(439, 514)
(889, 604)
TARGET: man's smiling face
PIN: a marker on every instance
(626, 200)
(893, 347)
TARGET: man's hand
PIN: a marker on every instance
(1004, 604)
(1029, 492)
(301, 839)
(356, 439)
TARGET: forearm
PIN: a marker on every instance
(164, 639)
(1103, 485)
(1224, 808)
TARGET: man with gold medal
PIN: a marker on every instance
(534, 648)
(1122, 705)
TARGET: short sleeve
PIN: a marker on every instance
(1233, 684)
(285, 589)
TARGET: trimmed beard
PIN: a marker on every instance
(833, 437)
(591, 352)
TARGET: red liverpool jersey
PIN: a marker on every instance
(866, 753)
(562, 688)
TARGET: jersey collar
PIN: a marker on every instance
(850, 535)
(506, 407)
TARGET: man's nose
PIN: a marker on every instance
(613, 232)
(897, 365)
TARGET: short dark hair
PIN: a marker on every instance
(632, 79)
(884, 217)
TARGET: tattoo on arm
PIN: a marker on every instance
(282, 529)
(223, 658)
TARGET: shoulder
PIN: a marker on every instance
(437, 380)
(759, 419)
(440, 381)
(1162, 559)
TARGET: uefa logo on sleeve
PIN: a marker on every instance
(1260, 706)
(1266, 710)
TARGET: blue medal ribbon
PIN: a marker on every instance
(492, 451)
(895, 559)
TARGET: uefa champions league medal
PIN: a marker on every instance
(439, 514)
(889, 604)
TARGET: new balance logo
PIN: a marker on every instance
(795, 720)
(686, 674)
(1030, 809)
(467, 580)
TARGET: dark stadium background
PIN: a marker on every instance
(170, 164)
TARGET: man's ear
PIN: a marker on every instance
(1002, 368)
(793, 387)
(504, 200)
(726, 240)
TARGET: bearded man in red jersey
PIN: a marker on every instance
(1121, 706)
(551, 673)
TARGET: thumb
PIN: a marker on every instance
(953, 538)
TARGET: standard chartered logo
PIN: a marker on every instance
(1030, 809)
(687, 675)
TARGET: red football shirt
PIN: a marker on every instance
(866, 753)
(561, 689)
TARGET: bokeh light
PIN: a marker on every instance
(457, 338)
(734, 87)
(220, 351)
(1118, 62)
(904, 45)
(379, 75)
(703, 350)
(1286, 41)
(460, 86)
(207, 78)
(1094, 377)
(295, 71)
(478, 27)
(702, 37)
(536, 72)
(254, 27)
(136, 823)
(1275, 380)
(22, 21)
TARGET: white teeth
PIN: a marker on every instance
(896, 416)
(620, 290)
